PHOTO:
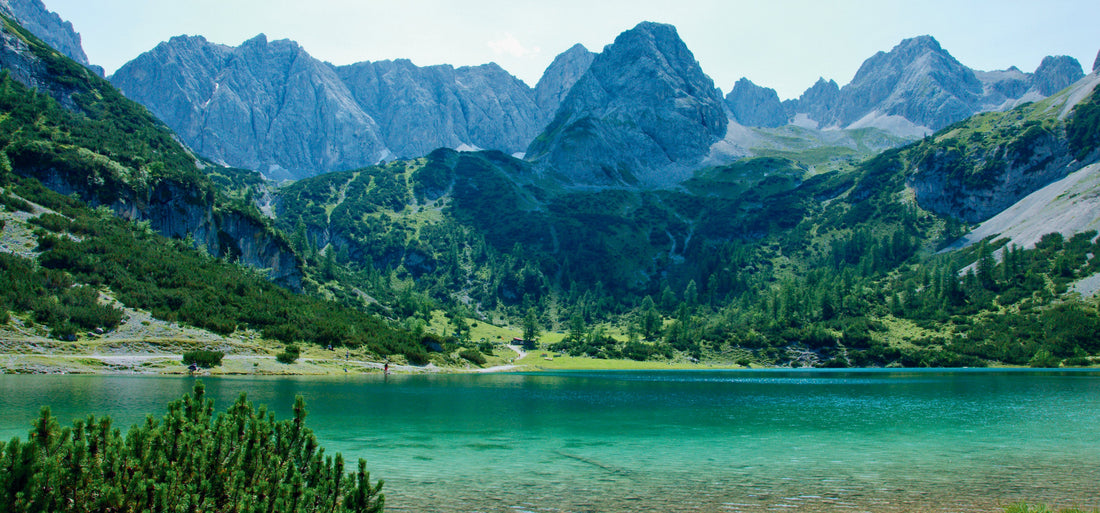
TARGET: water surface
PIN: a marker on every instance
(728, 441)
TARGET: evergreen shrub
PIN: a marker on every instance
(241, 460)
(204, 359)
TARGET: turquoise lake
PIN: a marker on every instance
(723, 441)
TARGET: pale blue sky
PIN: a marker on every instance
(783, 44)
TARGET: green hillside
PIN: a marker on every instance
(761, 261)
(789, 258)
(109, 151)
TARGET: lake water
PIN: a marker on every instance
(666, 441)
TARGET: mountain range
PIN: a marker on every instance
(245, 106)
(643, 202)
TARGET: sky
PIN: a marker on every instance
(783, 44)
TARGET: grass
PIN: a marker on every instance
(1023, 507)
(535, 361)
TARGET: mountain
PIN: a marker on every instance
(559, 78)
(762, 257)
(643, 113)
(1056, 73)
(76, 134)
(419, 109)
(49, 27)
(799, 253)
(979, 167)
(918, 87)
(265, 105)
(248, 106)
(752, 105)
(818, 102)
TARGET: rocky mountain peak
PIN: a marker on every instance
(753, 105)
(559, 78)
(1096, 63)
(817, 104)
(420, 109)
(270, 106)
(265, 105)
(643, 113)
(1056, 72)
(912, 48)
(917, 80)
(49, 27)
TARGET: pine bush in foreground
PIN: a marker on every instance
(242, 460)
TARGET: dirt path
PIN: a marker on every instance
(520, 354)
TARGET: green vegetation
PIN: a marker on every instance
(792, 258)
(52, 298)
(473, 356)
(757, 262)
(289, 355)
(1023, 507)
(1083, 128)
(191, 460)
(108, 142)
(202, 358)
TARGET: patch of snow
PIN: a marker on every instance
(217, 85)
(467, 147)
(519, 155)
(892, 123)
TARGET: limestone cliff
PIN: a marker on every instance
(644, 113)
(752, 105)
(49, 27)
(419, 109)
(559, 78)
(918, 87)
(265, 105)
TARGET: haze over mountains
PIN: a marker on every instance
(244, 106)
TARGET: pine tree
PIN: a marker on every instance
(530, 327)
(241, 460)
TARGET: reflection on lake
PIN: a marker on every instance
(971, 440)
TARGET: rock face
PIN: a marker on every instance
(936, 188)
(1005, 87)
(1096, 63)
(174, 208)
(266, 106)
(819, 102)
(1056, 73)
(177, 210)
(419, 109)
(977, 180)
(49, 27)
(643, 113)
(752, 105)
(559, 78)
(25, 67)
(919, 87)
(271, 107)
